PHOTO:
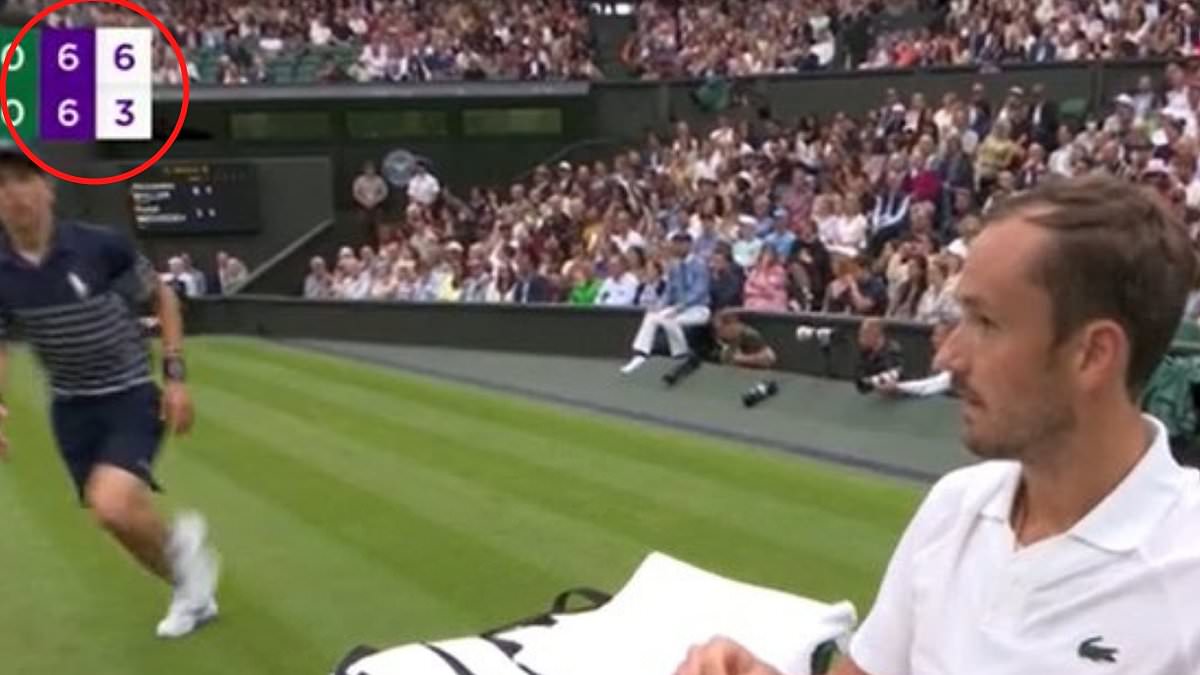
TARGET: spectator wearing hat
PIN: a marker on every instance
(685, 303)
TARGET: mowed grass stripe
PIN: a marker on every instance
(269, 547)
(452, 505)
(607, 495)
(775, 474)
(591, 459)
(661, 518)
(293, 468)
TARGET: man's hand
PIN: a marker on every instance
(889, 388)
(3, 438)
(722, 656)
(177, 408)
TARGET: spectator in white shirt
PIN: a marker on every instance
(374, 59)
(318, 285)
(622, 234)
(177, 275)
(356, 284)
(319, 34)
(423, 187)
(621, 285)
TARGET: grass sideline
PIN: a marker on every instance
(354, 504)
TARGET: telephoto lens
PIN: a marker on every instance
(760, 392)
(869, 384)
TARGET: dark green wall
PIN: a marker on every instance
(296, 194)
(599, 332)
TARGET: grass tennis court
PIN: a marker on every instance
(353, 504)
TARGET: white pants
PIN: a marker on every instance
(671, 323)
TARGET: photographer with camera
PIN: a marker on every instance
(933, 385)
(880, 360)
(739, 344)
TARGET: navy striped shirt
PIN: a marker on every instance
(77, 307)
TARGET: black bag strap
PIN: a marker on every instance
(357, 654)
(595, 598)
(592, 599)
(455, 665)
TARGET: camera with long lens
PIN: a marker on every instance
(760, 392)
(870, 383)
(822, 336)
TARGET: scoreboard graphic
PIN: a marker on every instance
(80, 84)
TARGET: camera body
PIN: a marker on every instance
(760, 392)
(822, 336)
(870, 383)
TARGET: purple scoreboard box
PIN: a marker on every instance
(67, 110)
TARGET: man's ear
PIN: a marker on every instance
(1102, 355)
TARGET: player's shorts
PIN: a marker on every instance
(124, 430)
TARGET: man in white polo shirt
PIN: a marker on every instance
(1076, 547)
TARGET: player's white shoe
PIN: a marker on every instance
(196, 568)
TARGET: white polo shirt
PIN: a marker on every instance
(959, 597)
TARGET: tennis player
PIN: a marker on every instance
(1074, 548)
(73, 291)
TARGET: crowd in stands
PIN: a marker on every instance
(265, 41)
(189, 281)
(868, 216)
(730, 38)
(360, 40)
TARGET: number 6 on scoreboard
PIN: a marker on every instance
(68, 57)
(123, 57)
(68, 113)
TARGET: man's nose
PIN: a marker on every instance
(947, 357)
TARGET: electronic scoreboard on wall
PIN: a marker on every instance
(196, 197)
(80, 84)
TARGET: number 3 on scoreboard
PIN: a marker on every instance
(123, 83)
(125, 116)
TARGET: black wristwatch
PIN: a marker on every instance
(174, 369)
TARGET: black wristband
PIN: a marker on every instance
(174, 369)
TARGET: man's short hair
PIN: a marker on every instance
(682, 236)
(16, 164)
(1116, 252)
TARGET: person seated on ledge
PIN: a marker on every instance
(933, 385)
(741, 345)
(684, 304)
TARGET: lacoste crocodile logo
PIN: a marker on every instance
(1092, 650)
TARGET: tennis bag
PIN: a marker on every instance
(646, 629)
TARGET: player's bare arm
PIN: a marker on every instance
(176, 402)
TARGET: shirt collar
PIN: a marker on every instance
(1127, 516)
(60, 240)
